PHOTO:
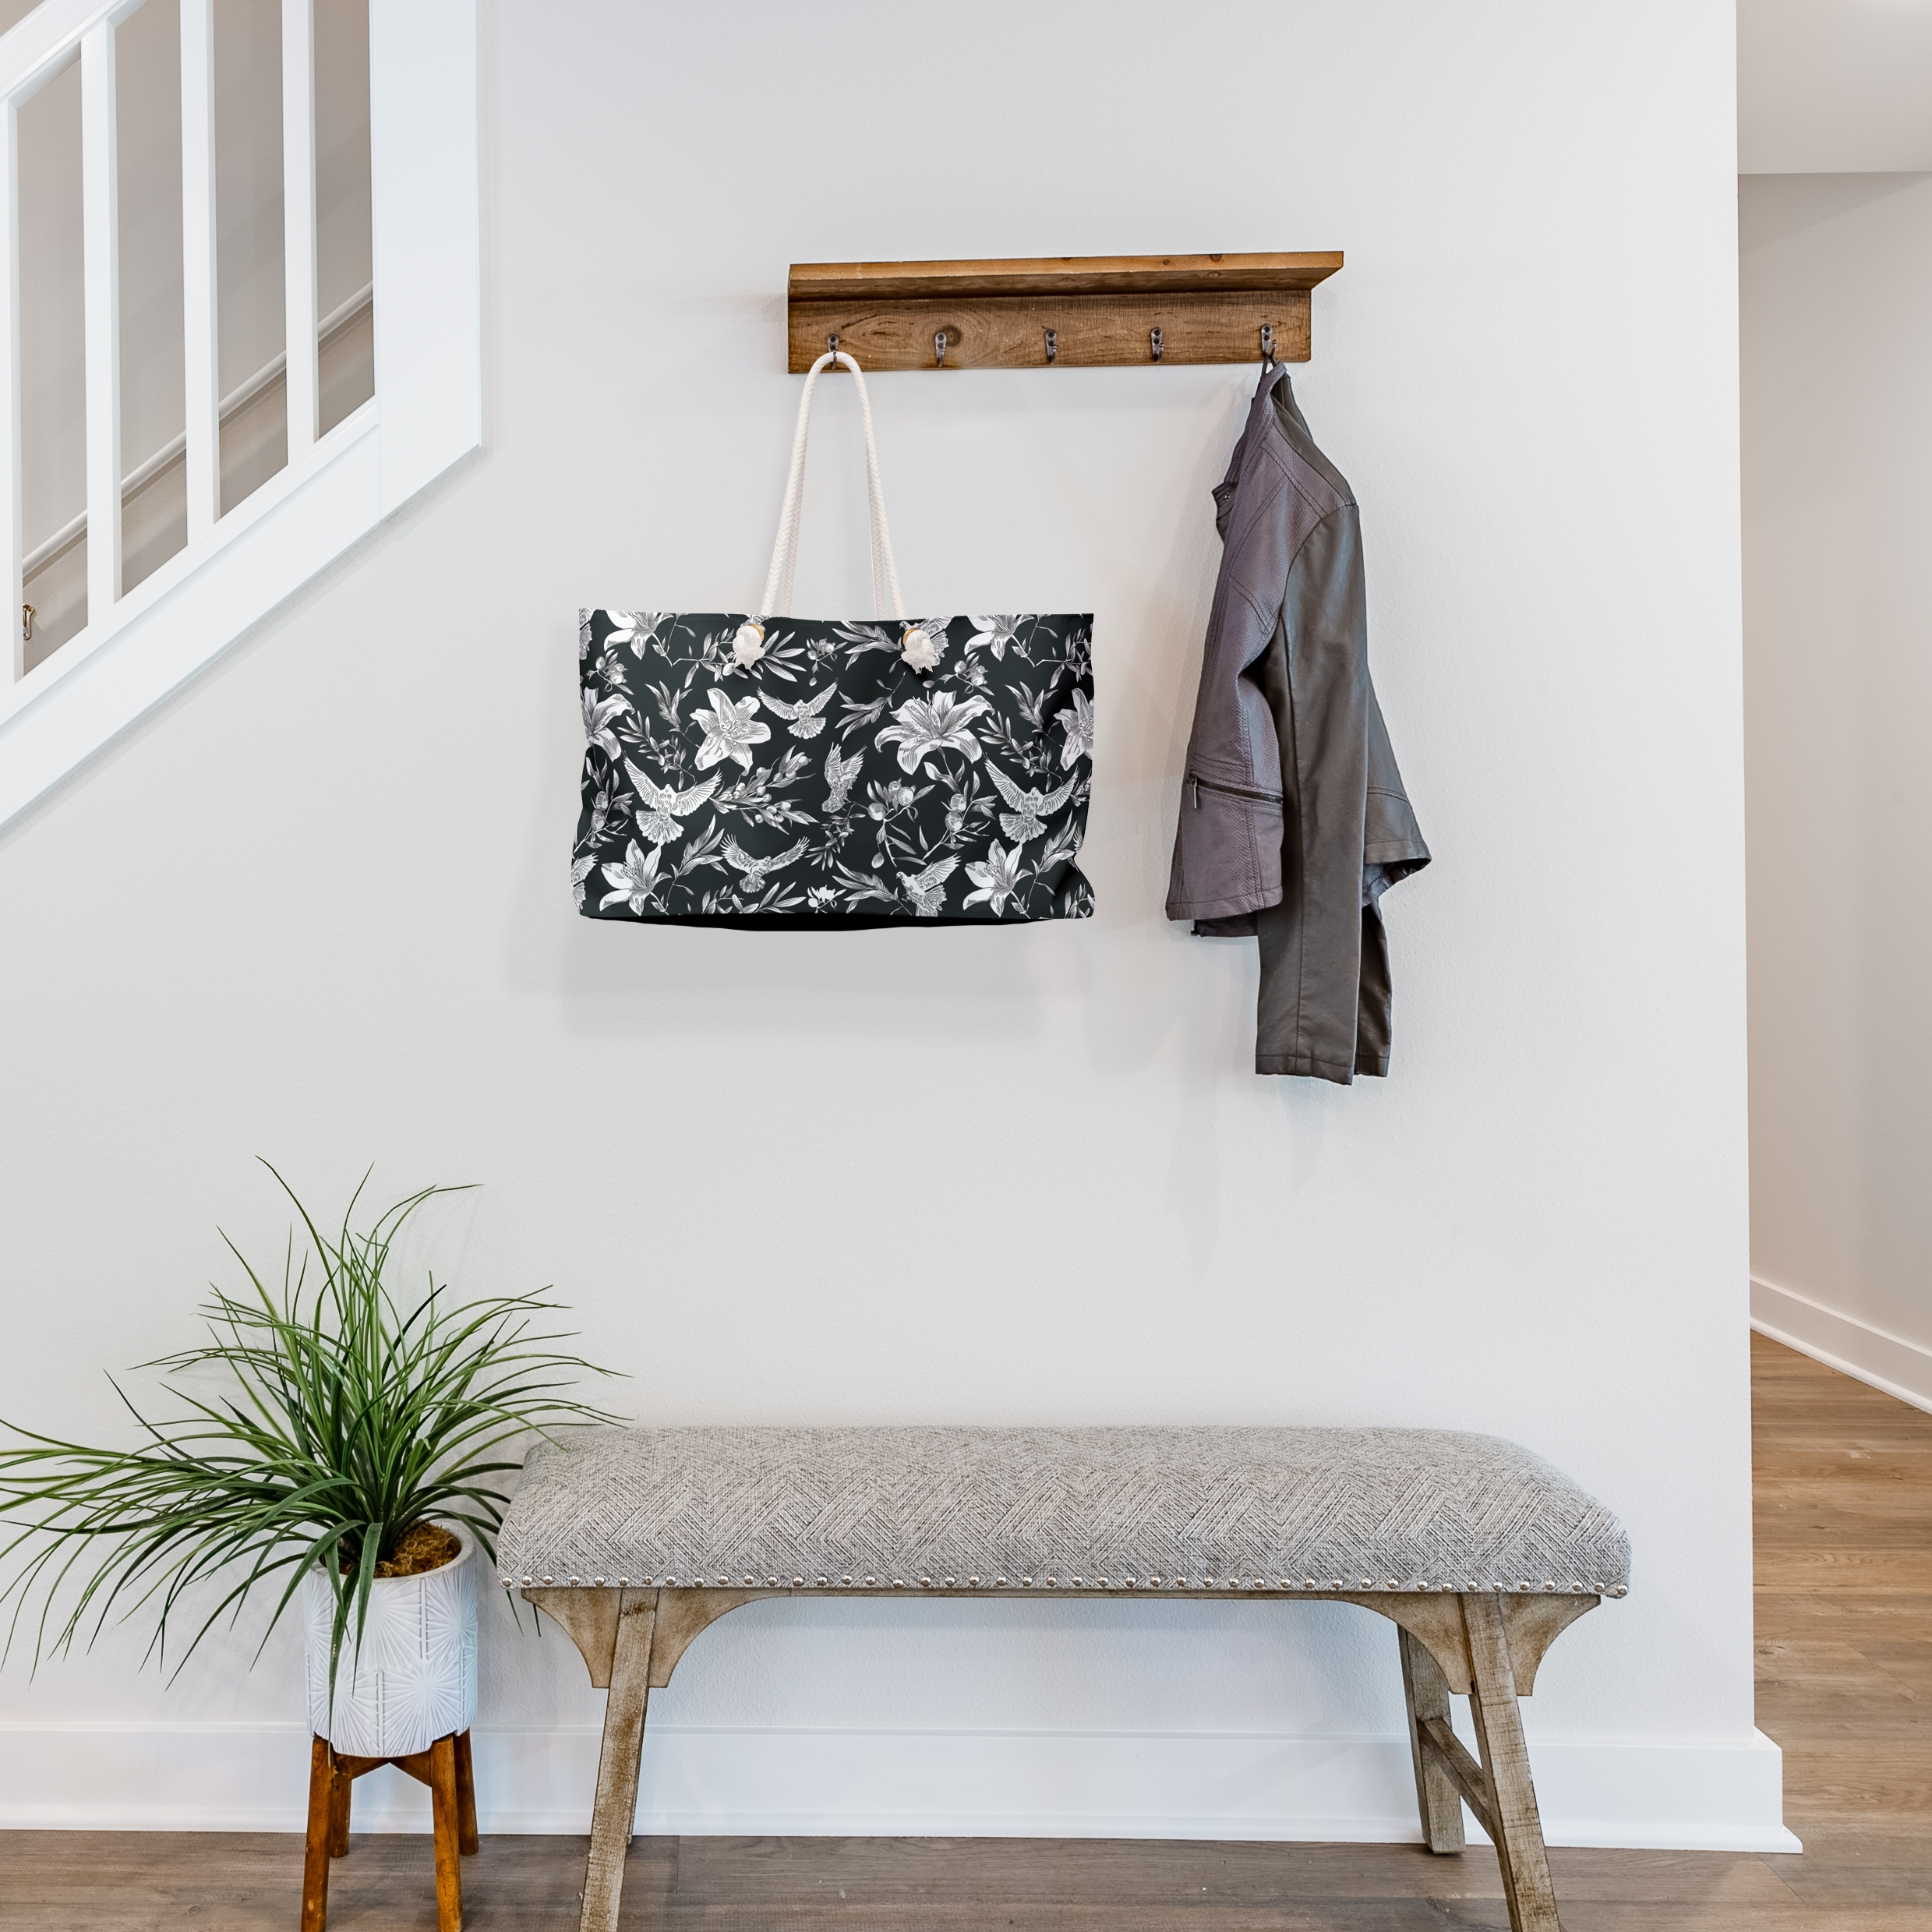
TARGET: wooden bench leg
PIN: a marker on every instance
(444, 1812)
(323, 1779)
(1513, 1823)
(617, 1765)
(1426, 1691)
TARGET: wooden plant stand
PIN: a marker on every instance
(444, 1768)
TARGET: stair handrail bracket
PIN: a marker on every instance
(427, 414)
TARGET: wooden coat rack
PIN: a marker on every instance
(1096, 312)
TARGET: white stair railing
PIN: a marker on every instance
(298, 220)
(199, 289)
(345, 316)
(11, 588)
(425, 415)
(100, 279)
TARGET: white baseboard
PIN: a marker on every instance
(1887, 1362)
(1724, 1795)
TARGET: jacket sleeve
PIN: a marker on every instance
(1325, 998)
(1392, 841)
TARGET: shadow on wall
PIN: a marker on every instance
(1805, 201)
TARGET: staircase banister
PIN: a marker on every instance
(48, 40)
(425, 416)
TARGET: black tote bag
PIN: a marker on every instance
(762, 771)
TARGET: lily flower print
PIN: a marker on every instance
(597, 713)
(636, 628)
(996, 632)
(1077, 721)
(664, 805)
(927, 889)
(730, 731)
(997, 878)
(1031, 809)
(923, 725)
(635, 882)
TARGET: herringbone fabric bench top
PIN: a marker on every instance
(1083, 1509)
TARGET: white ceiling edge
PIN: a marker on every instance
(1834, 86)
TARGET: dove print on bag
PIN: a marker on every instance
(660, 808)
(1031, 808)
(839, 773)
(804, 718)
(752, 769)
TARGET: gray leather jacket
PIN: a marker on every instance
(1294, 821)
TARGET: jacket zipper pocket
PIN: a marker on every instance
(1233, 791)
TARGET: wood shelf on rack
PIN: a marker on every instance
(1103, 311)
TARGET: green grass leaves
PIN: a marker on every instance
(326, 1417)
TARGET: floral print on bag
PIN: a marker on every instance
(829, 785)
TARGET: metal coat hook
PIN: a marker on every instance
(1267, 345)
(1053, 345)
(1157, 344)
(939, 349)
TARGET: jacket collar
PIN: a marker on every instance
(1260, 412)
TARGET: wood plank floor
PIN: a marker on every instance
(1844, 1506)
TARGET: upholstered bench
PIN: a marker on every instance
(635, 1540)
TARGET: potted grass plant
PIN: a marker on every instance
(334, 1441)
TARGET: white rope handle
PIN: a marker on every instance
(778, 584)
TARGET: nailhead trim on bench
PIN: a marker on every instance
(1574, 1588)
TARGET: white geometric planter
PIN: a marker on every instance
(415, 1681)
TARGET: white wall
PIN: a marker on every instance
(318, 909)
(1837, 309)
